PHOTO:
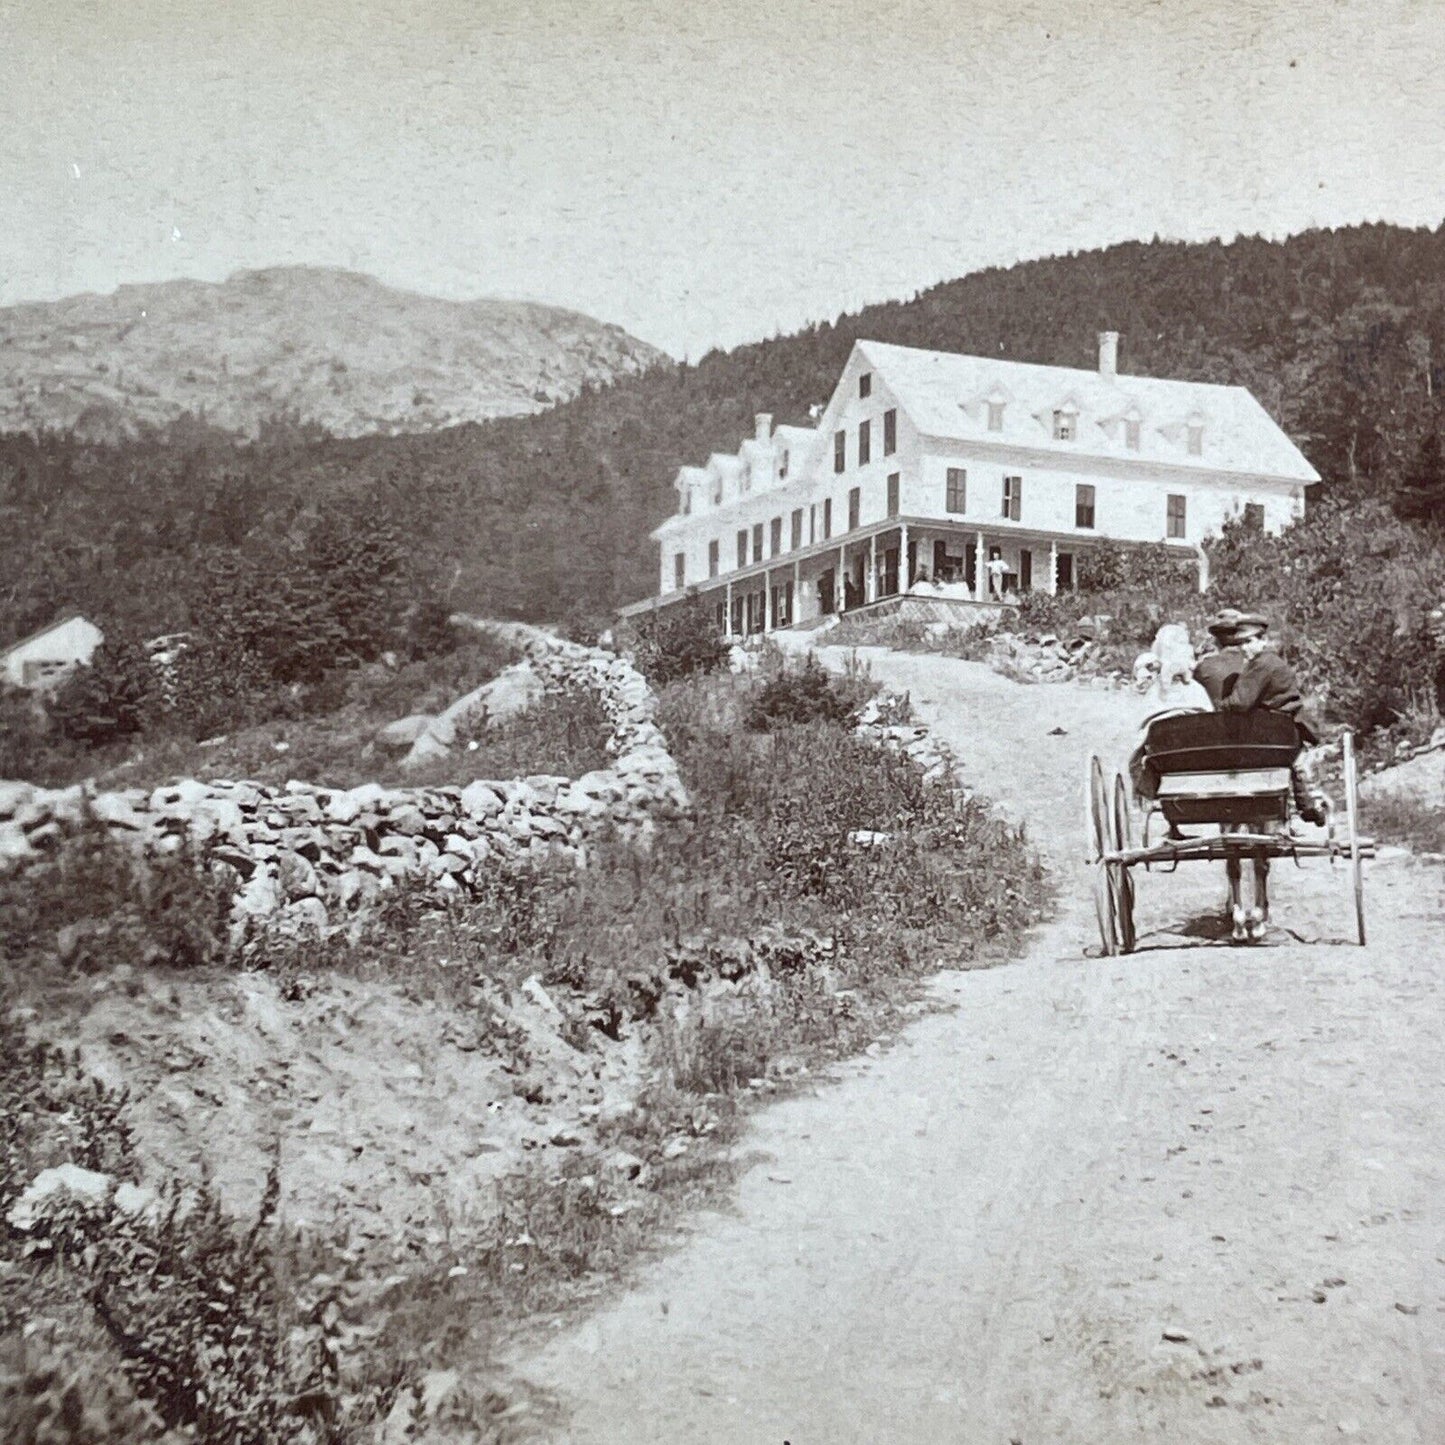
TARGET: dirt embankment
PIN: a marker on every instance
(1194, 1194)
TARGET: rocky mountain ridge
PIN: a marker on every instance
(310, 343)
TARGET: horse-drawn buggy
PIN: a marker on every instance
(1214, 786)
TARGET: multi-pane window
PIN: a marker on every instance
(827, 518)
(757, 541)
(797, 529)
(890, 431)
(775, 536)
(743, 548)
(855, 503)
(1131, 433)
(995, 416)
(712, 558)
(865, 443)
(865, 384)
(892, 494)
(812, 523)
(1196, 439)
(1254, 515)
(1013, 497)
(840, 451)
(955, 497)
(1065, 425)
(679, 566)
(1175, 516)
(1083, 505)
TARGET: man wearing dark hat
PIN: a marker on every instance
(1218, 671)
(1268, 682)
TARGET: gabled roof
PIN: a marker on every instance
(63, 621)
(943, 394)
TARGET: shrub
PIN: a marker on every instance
(805, 694)
(115, 696)
(95, 904)
(676, 641)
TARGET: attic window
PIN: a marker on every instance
(1066, 424)
(783, 466)
(995, 416)
(1196, 439)
(717, 492)
(1131, 433)
(865, 384)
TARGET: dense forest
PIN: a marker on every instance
(1341, 334)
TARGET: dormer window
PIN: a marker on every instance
(1066, 424)
(865, 384)
(1195, 438)
(783, 467)
(995, 416)
(1132, 430)
(717, 492)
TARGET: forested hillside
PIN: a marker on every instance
(1341, 334)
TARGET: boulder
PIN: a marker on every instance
(86, 1186)
(14, 794)
(481, 799)
(303, 918)
(398, 736)
(119, 810)
(426, 749)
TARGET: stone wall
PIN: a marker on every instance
(309, 856)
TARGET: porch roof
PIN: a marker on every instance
(995, 530)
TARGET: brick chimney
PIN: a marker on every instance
(1108, 355)
(763, 426)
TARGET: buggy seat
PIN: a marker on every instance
(1226, 768)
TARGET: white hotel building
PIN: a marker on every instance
(926, 466)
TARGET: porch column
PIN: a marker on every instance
(728, 614)
(770, 621)
(870, 589)
(905, 578)
(1053, 569)
(980, 570)
(797, 593)
(840, 592)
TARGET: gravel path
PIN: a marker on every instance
(1193, 1195)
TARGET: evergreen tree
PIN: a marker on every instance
(1420, 495)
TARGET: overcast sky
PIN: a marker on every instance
(705, 173)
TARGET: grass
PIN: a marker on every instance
(327, 737)
(1413, 822)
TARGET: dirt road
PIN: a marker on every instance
(1192, 1195)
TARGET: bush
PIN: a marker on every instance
(96, 904)
(115, 696)
(806, 694)
(677, 641)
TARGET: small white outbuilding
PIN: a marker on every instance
(42, 659)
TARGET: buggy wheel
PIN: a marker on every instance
(1097, 828)
(1352, 823)
(1104, 909)
(1121, 887)
(1114, 907)
(1123, 816)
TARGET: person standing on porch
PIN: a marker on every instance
(997, 570)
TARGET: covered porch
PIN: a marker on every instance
(971, 567)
